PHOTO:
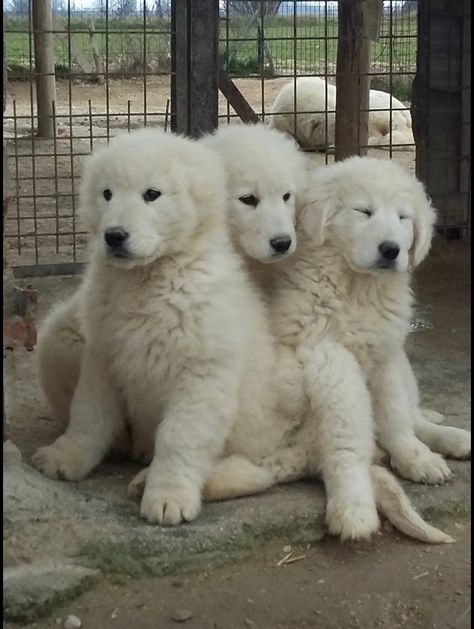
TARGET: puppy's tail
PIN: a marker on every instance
(393, 503)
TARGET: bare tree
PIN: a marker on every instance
(241, 7)
(18, 7)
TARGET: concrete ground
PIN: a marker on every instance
(94, 524)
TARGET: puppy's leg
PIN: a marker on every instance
(188, 441)
(59, 352)
(96, 420)
(449, 441)
(340, 435)
(395, 411)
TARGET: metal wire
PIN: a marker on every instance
(113, 69)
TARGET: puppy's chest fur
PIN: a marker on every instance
(320, 298)
(151, 324)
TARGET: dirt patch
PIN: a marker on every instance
(391, 583)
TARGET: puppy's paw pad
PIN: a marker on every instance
(59, 463)
(170, 506)
(352, 522)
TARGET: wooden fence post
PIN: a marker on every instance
(44, 66)
(352, 80)
(195, 43)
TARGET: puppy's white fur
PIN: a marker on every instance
(172, 327)
(315, 129)
(358, 312)
(335, 438)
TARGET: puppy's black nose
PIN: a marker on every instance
(280, 244)
(115, 237)
(389, 250)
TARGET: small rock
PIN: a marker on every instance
(72, 622)
(181, 615)
(248, 622)
(286, 549)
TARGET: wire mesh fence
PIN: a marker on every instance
(113, 67)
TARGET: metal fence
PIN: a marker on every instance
(113, 67)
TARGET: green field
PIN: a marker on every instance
(124, 45)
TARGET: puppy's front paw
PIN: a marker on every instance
(422, 466)
(351, 521)
(62, 460)
(170, 503)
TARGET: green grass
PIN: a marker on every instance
(314, 53)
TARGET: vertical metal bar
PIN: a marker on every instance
(71, 142)
(32, 117)
(56, 191)
(181, 55)
(144, 65)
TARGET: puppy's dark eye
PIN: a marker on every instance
(151, 195)
(286, 196)
(107, 194)
(363, 211)
(404, 218)
(249, 199)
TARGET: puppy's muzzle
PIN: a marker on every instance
(116, 241)
(280, 244)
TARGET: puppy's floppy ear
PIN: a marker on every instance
(423, 222)
(317, 210)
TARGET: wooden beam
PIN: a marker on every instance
(44, 66)
(236, 98)
(195, 45)
(352, 80)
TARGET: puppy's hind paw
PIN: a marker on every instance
(424, 467)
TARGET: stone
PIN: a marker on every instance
(31, 590)
(182, 615)
(72, 622)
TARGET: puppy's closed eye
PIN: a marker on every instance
(363, 211)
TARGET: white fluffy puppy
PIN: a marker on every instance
(315, 129)
(169, 318)
(346, 294)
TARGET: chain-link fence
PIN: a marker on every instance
(112, 67)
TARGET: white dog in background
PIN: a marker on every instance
(169, 318)
(315, 129)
